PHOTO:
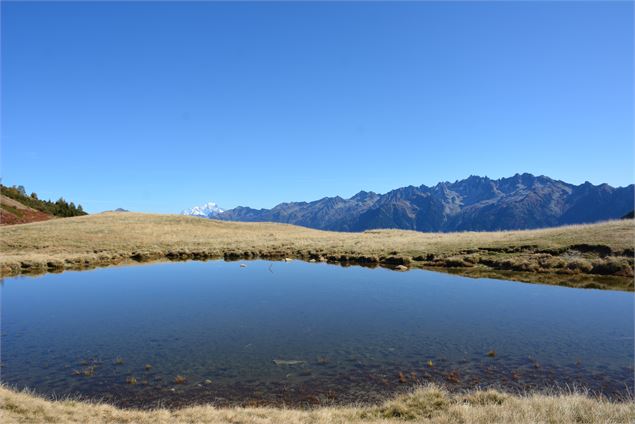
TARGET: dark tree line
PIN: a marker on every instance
(60, 207)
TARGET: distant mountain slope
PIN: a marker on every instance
(474, 204)
(16, 207)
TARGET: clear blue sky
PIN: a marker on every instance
(162, 106)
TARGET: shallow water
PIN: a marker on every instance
(301, 333)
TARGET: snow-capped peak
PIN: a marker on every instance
(208, 210)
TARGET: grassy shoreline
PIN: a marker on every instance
(428, 404)
(594, 256)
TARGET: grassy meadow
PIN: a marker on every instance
(595, 256)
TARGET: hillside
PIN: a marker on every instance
(16, 207)
(14, 212)
(598, 255)
(474, 204)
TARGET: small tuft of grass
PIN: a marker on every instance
(131, 380)
(491, 353)
(147, 367)
(179, 379)
(420, 404)
(118, 361)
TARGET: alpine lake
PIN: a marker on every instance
(302, 334)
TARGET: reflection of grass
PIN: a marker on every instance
(429, 404)
(118, 361)
(585, 281)
(597, 255)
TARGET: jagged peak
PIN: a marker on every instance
(363, 195)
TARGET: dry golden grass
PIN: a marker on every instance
(113, 238)
(428, 404)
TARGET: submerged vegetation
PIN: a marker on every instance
(428, 404)
(595, 256)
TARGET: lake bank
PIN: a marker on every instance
(594, 256)
(429, 404)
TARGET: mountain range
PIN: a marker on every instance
(476, 203)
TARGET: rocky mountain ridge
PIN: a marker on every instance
(522, 201)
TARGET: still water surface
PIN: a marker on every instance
(301, 333)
